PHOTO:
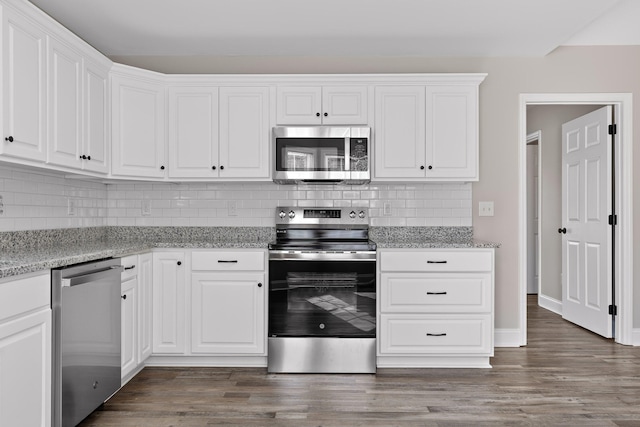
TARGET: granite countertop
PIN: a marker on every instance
(26, 252)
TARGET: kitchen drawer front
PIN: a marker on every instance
(24, 294)
(130, 266)
(228, 260)
(405, 334)
(458, 260)
(435, 292)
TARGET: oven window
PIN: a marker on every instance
(310, 154)
(322, 298)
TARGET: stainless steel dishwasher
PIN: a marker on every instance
(86, 338)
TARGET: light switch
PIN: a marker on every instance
(485, 209)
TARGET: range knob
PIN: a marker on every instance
(292, 214)
(282, 214)
(352, 214)
(361, 214)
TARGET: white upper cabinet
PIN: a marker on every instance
(427, 132)
(316, 105)
(399, 132)
(23, 88)
(452, 132)
(219, 132)
(193, 132)
(96, 143)
(65, 105)
(244, 132)
(138, 121)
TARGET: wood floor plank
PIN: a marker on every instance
(566, 376)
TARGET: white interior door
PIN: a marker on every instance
(586, 205)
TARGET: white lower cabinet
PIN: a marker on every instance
(227, 313)
(169, 308)
(136, 313)
(211, 310)
(436, 307)
(25, 351)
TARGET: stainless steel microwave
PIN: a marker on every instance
(321, 155)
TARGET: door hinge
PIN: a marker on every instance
(613, 310)
(613, 219)
(613, 129)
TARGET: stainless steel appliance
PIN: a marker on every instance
(321, 155)
(86, 338)
(322, 292)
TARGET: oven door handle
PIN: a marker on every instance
(319, 256)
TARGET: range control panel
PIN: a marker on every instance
(300, 215)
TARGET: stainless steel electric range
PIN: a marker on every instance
(322, 292)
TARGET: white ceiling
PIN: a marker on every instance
(461, 28)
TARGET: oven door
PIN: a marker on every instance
(322, 295)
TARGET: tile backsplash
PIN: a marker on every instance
(35, 199)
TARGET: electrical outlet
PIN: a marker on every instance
(485, 209)
(71, 207)
(1, 205)
(386, 209)
(233, 208)
(146, 207)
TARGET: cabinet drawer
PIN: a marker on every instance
(24, 294)
(436, 261)
(130, 266)
(227, 260)
(435, 334)
(435, 292)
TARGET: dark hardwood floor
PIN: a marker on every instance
(566, 376)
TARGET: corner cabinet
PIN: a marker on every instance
(25, 350)
(428, 132)
(436, 308)
(138, 121)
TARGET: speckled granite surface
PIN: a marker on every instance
(28, 251)
(427, 237)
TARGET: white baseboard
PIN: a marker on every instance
(550, 304)
(507, 337)
(635, 337)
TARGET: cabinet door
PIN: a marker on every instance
(227, 312)
(244, 132)
(138, 128)
(193, 132)
(400, 132)
(344, 105)
(145, 285)
(96, 118)
(25, 370)
(65, 105)
(299, 105)
(452, 132)
(129, 327)
(23, 88)
(169, 302)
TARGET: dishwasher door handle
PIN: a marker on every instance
(81, 279)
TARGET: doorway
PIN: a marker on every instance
(623, 247)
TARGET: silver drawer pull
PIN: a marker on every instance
(436, 262)
(230, 261)
(436, 293)
(436, 335)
